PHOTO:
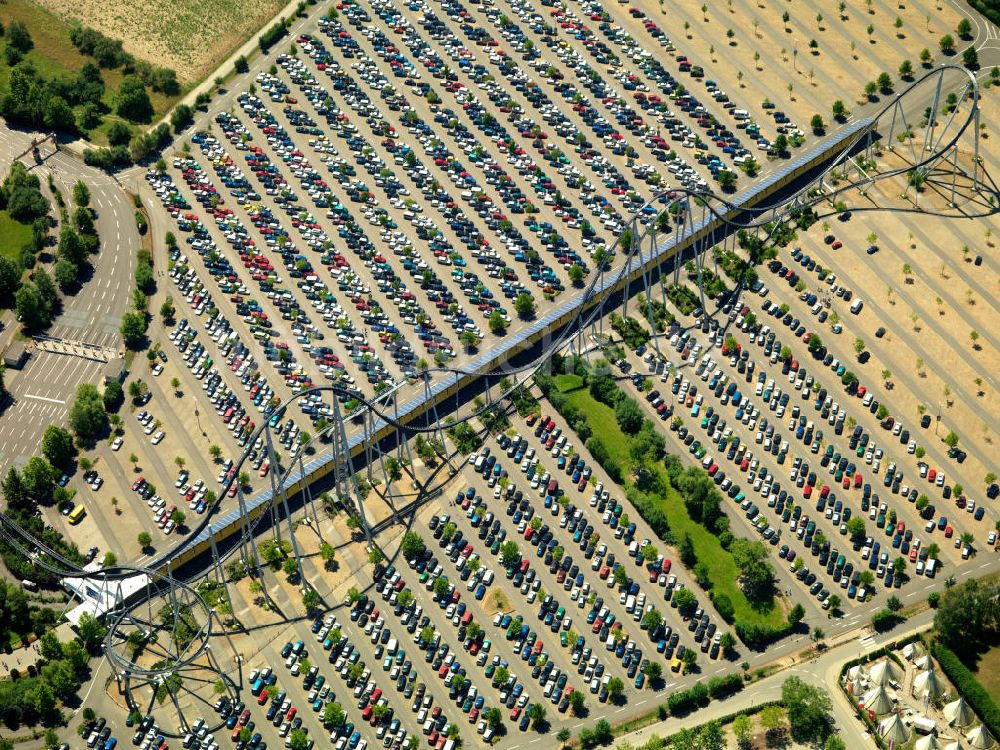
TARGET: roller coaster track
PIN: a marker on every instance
(696, 217)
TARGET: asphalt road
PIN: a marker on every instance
(44, 389)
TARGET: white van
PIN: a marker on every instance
(856, 306)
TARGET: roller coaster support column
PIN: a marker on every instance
(255, 568)
(279, 492)
(430, 407)
(346, 482)
(220, 574)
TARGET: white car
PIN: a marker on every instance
(158, 437)
(157, 369)
(117, 444)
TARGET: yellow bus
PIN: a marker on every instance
(76, 515)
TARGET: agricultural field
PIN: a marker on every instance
(190, 36)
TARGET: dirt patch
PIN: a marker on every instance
(190, 36)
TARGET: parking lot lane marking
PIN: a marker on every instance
(620, 710)
(44, 398)
(575, 726)
(984, 565)
(913, 593)
(641, 703)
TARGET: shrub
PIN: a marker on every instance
(724, 606)
(721, 687)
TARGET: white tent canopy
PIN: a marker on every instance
(980, 738)
(928, 682)
(893, 729)
(878, 701)
(883, 672)
(930, 742)
(912, 651)
(959, 713)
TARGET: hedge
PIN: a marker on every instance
(753, 634)
(270, 37)
(685, 701)
(722, 687)
(988, 8)
(968, 686)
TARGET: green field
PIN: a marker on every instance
(53, 54)
(568, 383)
(13, 236)
(987, 671)
(722, 569)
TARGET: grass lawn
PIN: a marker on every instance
(53, 54)
(722, 569)
(13, 236)
(568, 383)
(987, 670)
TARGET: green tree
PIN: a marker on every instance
(87, 417)
(726, 179)
(145, 539)
(629, 416)
(509, 553)
(686, 551)
(18, 37)
(743, 730)
(536, 714)
(181, 117)
(757, 575)
(81, 194)
(133, 329)
(808, 708)
(91, 632)
(615, 688)
(685, 599)
(494, 718)
(57, 446)
(132, 102)
(498, 325)
(10, 280)
(412, 545)
(30, 307)
(298, 739)
(947, 44)
(524, 305)
(653, 670)
(816, 123)
(334, 715)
